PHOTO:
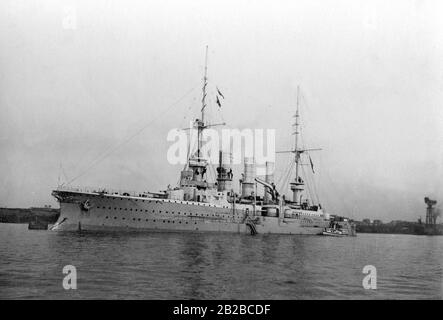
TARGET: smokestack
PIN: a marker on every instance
(248, 178)
(224, 170)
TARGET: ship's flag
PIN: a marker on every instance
(218, 102)
(221, 94)
(312, 164)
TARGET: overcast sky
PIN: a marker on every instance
(78, 78)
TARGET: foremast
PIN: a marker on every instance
(201, 124)
(194, 173)
(297, 186)
(196, 165)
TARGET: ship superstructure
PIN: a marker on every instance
(196, 203)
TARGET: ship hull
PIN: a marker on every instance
(90, 211)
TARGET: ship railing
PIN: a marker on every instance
(100, 190)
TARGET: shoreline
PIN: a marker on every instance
(26, 215)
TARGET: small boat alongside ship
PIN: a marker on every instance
(340, 227)
(196, 204)
(37, 224)
(334, 232)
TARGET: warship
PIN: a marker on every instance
(196, 204)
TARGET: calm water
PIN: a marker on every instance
(144, 265)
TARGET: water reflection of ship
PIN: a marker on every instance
(198, 205)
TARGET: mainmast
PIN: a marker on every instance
(297, 185)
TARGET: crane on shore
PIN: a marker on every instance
(431, 218)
